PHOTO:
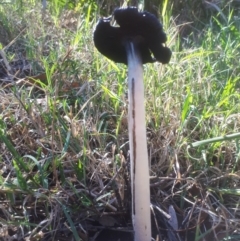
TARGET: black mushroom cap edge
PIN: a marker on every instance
(142, 28)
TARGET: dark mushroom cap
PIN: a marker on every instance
(142, 28)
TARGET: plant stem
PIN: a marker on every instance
(215, 139)
(138, 147)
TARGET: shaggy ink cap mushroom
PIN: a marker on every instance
(141, 28)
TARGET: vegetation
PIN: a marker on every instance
(63, 126)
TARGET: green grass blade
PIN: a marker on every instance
(20, 178)
(73, 228)
(43, 180)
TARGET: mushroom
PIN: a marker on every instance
(139, 39)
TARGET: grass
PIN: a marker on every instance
(63, 129)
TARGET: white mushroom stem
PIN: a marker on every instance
(138, 147)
